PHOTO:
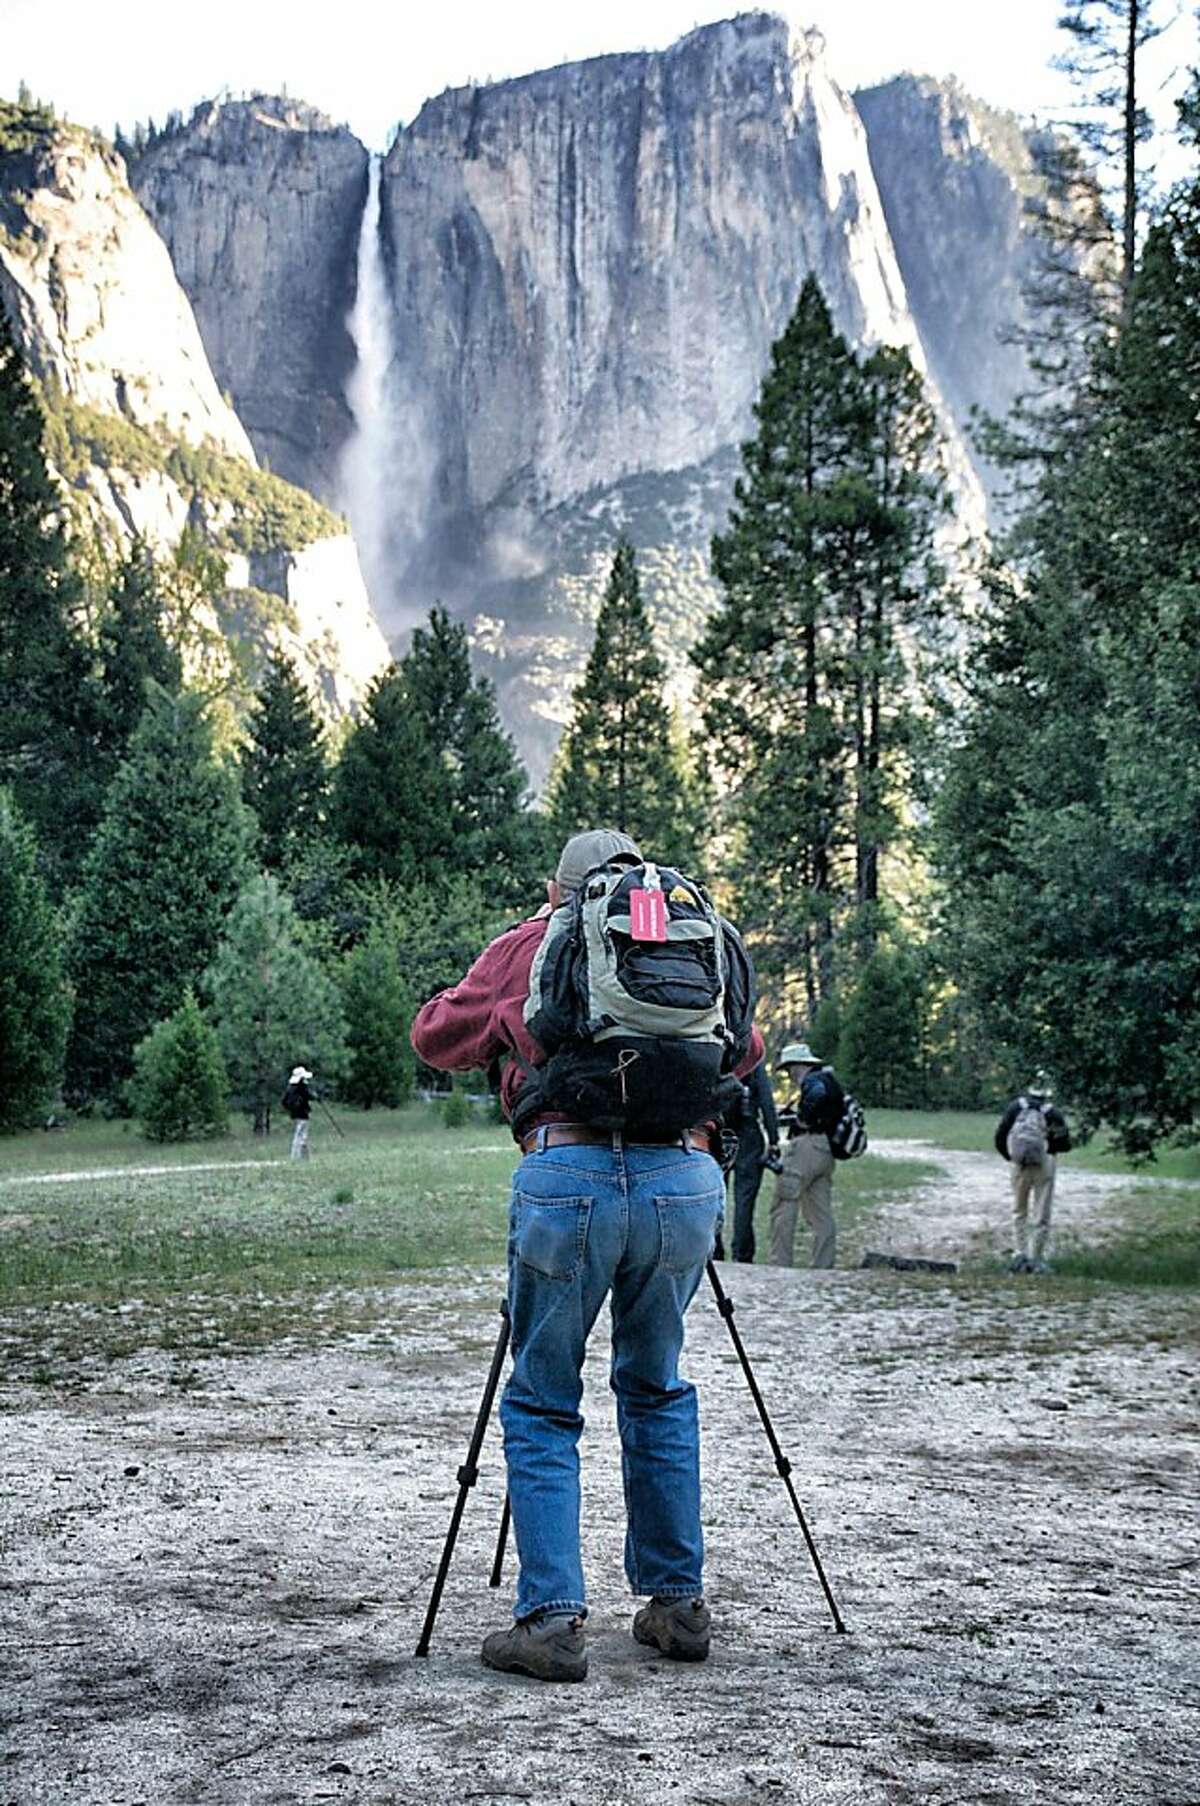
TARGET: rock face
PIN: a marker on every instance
(954, 177)
(259, 204)
(76, 253)
(138, 431)
(590, 264)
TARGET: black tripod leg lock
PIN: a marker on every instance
(783, 1466)
(725, 1306)
(467, 1476)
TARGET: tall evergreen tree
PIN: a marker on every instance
(490, 828)
(429, 782)
(285, 772)
(272, 1002)
(1090, 199)
(391, 796)
(35, 999)
(1069, 816)
(1104, 57)
(48, 700)
(826, 569)
(623, 764)
(168, 859)
(134, 652)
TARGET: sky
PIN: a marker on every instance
(372, 65)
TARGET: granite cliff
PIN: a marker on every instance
(138, 431)
(259, 204)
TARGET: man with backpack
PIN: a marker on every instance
(757, 1128)
(297, 1101)
(1030, 1135)
(624, 1013)
(805, 1181)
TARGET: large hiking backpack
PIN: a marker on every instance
(1028, 1143)
(848, 1137)
(642, 998)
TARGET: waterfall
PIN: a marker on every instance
(370, 479)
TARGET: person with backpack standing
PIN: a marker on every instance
(297, 1101)
(624, 1014)
(805, 1181)
(757, 1149)
(1030, 1135)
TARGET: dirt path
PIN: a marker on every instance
(967, 1212)
(212, 1572)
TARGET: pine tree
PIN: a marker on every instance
(827, 573)
(35, 999)
(378, 1011)
(285, 773)
(622, 763)
(491, 831)
(898, 603)
(879, 1043)
(1081, 273)
(134, 652)
(168, 858)
(391, 802)
(272, 1003)
(179, 1089)
(49, 703)
(1068, 819)
(1106, 40)
(429, 782)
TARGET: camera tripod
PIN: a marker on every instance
(468, 1473)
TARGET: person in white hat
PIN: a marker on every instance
(297, 1101)
(805, 1184)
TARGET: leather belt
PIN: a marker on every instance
(575, 1135)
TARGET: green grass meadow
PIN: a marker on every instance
(396, 1192)
(228, 1243)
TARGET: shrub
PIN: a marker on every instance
(456, 1111)
(180, 1090)
(378, 1012)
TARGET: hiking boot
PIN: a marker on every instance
(678, 1627)
(1020, 1263)
(550, 1648)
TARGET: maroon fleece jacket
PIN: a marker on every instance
(481, 1019)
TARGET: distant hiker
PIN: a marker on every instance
(1030, 1134)
(624, 1015)
(758, 1147)
(805, 1182)
(297, 1101)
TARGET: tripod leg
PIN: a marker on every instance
(783, 1466)
(501, 1542)
(468, 1473)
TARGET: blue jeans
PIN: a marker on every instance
(639, 1222)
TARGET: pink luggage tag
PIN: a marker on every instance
(648, 915)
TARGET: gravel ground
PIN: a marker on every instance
(212, 1575)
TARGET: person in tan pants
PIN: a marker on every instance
(805, 1184)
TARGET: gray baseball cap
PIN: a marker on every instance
(584, 851)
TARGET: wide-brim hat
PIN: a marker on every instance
(797, 1053)
(299, 1073)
